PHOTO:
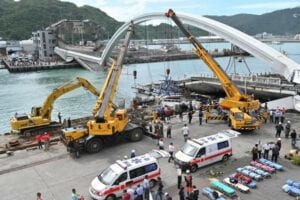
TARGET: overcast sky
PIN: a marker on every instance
(124, 10)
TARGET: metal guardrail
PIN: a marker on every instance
(255, 79)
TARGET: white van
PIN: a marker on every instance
(203, 151)
(126, 173)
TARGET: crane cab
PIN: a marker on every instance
(109, 125)
(35, 111)
(240, 120)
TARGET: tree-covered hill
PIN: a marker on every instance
(280, 22)
(19, 19)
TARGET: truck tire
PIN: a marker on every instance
(136, 134)
(111, 197)
(225, 158)
(194, 168)
(94, 145)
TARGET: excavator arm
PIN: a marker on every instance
(47, 107)
(41, 116)
(234, 96)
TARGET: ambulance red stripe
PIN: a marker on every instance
(229, 151)
(124, 186)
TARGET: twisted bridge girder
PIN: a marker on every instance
(280, 63)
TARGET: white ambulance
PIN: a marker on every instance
(203, 151)
(123, 174)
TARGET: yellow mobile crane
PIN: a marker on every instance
(238, 104)
(108, 124)
(40, 118)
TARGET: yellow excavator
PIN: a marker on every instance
(238, 104)
(108, 124)
(40, 118)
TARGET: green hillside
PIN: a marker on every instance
(19, 19)
(279, 22)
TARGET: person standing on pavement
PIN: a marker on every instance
(69, 122)
(190, 116)
(139, 192)
(271, 116)
(200, 116)
(46, 140)
(195, 193)
(277, 115)
(179, 178)
(275, 153)
(279, 143)
(131, 193)
(132, 155)
(266, 148)
(185, 132)
(169, 130)
(161, 144)
(278, 128)
(146, 186)
(255, 152)
(39, 196)
(74, 195)
(159, 193)
(171, 151)
(293, 137)
(181, 194)
(287, 129)
(125, 195)
(59, 117)
(259, 149)
(39, 141)
(161, 130)
(188, 182)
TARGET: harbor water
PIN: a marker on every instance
(20, 91)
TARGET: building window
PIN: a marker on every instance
(44, 36)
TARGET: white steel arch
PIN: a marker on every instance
(279, 62)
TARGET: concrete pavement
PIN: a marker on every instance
(55, 173)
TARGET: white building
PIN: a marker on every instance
(27, 46)
(297, 37)
(44, 43)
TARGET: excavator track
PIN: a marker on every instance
(53, 128)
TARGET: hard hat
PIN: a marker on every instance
(279, 122)
(166, 194)
(279, 138)
(187, 171)
(132, 150)
(289, 121)
(125, 157)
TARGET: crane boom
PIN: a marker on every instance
(234, 96)
(104, 103)
(108, 125)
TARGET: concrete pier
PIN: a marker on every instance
(30, 68)
(263, 88)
